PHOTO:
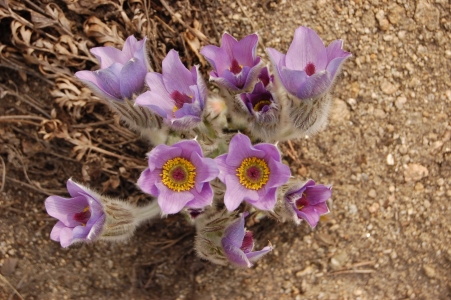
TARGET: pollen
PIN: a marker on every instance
(253, 173)
(261, 104)
(178, 174)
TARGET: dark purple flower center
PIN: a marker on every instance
(248, 242)
(253, 173)
(180, 99)
(178, 174)
(235, 67)
(302, 202)
(310, 69)
(83, 216)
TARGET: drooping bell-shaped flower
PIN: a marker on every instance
(307, 201)
(178, 94)
(179, 176)
(222, 239)
(235, 63)
(88, 216)
(309, 68)
(251, 173)
(121, 74)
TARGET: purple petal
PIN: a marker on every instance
(280, 173)
(307, 47)
(227, 43)
(206, 170)
(267, 199)
(91, 79)
(66, 237)
(277, 58)
(240, 147)
(202, 90)
(314, 86)
(188, 147)
(236, 193)
(292, 80)
(256, 255)
(96, 228)
(76, 189)
(228, 83)
(248, 242)
(147, 180)
(64, 209)
(335, 65)
(80, 232)
(159, 105)
(270, 150)
(322, 208)
(56, 231)
(132, 77)
(234, 233)
(176, 76)
(310, 215)
(235, 255)
(334, 50)
(317, 194)
(202, 198)
(244, 50)
(217, 57)
(130, 46)
(161, 154)
(108, 56)
(172, 202)
(252, 74)
(224, 169)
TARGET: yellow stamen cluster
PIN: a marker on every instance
(174, 110)
(85, 210)
(251, 183)
(261, 104)
(179, 164)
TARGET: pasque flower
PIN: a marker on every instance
(121, 73)
(307, 201)
(309, 68)
(178, 94)
(179, 176)
(238, 244)
(251, 173)
(235, 64)
(81, 218)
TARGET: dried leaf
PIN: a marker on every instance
(103, 33)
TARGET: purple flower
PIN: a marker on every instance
(251, 173)
(178, 94)
(121, 73)
(179, 176)
(308, 201)
(309, 68)
(81, 218)
(260, 100)
(239, 243)
(235, 63)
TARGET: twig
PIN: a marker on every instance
(13, 288)
(192, 30)
(3, 175)
(254, 27)
(352, 272)
(45, 192)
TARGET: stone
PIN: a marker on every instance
(427, 15)
(415, 172)
(390, 159)
(384, 24)
(400, 101)
(387, 87)
(374, 207)
(429, 271)
(308, 270)
(368, 19)
(395, 13)
(340, 111)
(338, 260)
(372, 193)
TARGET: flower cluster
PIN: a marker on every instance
(227, 165)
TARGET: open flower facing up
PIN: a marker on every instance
(178, 94)
(235, 64)
(121, 73)
(251, 173)
(179, 176)
(239, 243)
(309, 68)
(81, 218)
(307, 201)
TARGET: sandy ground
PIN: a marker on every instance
(386, 151)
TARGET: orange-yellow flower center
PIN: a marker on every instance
(253, 173)
(259, 106)
(178, 174)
